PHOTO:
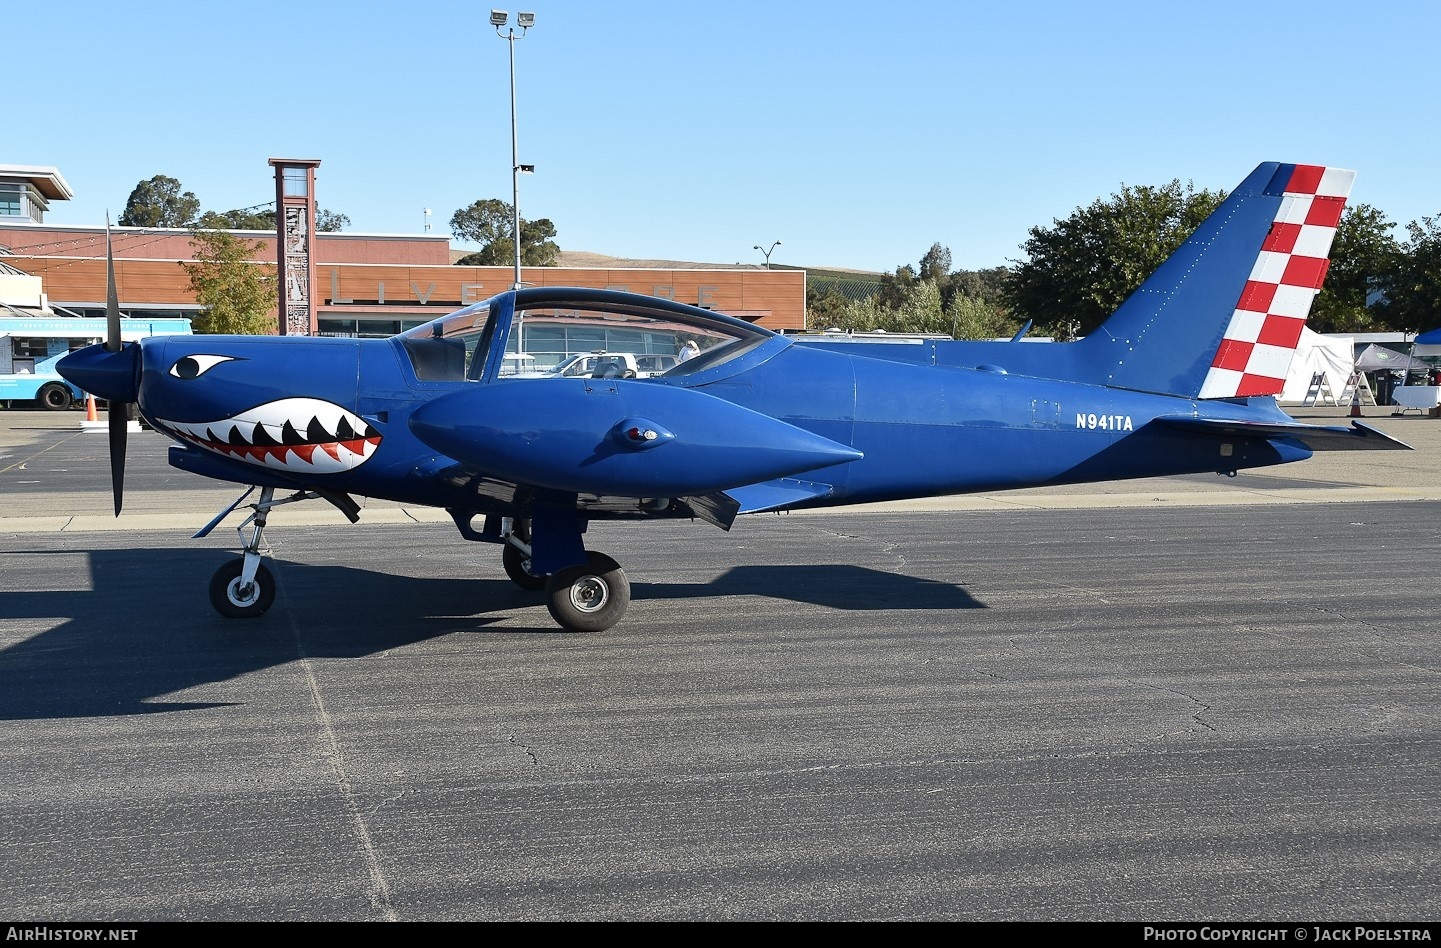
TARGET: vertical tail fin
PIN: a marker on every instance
(1221, 318)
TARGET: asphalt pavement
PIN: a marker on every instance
(1195, 699)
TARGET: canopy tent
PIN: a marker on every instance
(1332, 356)
(1427, 344)
(1377, 358)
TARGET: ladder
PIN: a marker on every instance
(1358, 390)
(1319, 390)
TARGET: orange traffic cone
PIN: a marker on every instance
(90, 408)
(1355, 404)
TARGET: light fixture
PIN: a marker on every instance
(498, 17)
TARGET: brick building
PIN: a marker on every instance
(371, 284)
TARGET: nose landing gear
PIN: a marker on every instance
(245, 588)
(235, 597)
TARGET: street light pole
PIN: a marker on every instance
(767, 252)
(525, 21)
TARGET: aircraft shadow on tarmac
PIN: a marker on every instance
(833, 585)
(146, 629)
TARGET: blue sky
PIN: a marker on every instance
(856, 134)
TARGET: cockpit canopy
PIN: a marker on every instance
(549, 333)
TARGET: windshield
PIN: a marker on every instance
(444, 349)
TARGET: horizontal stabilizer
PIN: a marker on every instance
(1358, 437)
(777, 494)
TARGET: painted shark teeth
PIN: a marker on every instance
(302, 435)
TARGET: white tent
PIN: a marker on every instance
(1333, 356)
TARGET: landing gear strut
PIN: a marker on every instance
(244, 588)
(515, 555)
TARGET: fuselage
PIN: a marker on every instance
(336, 413)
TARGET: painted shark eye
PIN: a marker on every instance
(192, 367)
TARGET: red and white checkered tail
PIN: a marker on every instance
(1260, 340)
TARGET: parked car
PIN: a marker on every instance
(653, 363)
(517, 363)
(626, 365)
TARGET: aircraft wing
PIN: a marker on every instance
(1358, 437)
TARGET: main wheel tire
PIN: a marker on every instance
(54, 397)
(517, 567)
(233, 602)
(591, 597)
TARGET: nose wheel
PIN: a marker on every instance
(590, 597)
(234, 597)
(245, 588)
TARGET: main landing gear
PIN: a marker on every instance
(587, 597)
(515, 555)
(590, 597)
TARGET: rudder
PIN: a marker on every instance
(1222, 316)
(1260, 340)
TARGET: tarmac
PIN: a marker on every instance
(36, 446)
(1175, 711)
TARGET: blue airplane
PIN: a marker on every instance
(1180, 379)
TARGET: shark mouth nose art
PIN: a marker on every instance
(304, 435)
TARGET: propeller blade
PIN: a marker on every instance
(112, 303)
(119, 412)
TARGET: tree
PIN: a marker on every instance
(936, 264)
(1412, 285)
(330, 221)
(489, 223)
(238, 296)
(823, 305)
(967, 317)
(860, 315)
(1081, 269)
(895, 287)
(249, 218)
(921, 309)
(1362, 251)
(159, 202)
